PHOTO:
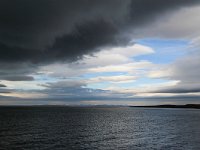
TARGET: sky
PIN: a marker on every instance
(92, 52)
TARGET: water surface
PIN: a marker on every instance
(99, 128)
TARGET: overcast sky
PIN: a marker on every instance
(96, 52)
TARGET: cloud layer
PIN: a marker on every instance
(48, 30)
(87, 50)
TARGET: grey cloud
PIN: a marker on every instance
(16, 71)
(77, 90)
(179, 90)
(35, 33)
(49, 30)
(65, 84)
(72, 92)
(186, 70)
(167, 26)
(17, 78)
(2, 85)
(143, 11)
(45, 30)
(4, 91)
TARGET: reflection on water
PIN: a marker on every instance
(99, 128)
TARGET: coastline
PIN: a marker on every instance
(193, 106)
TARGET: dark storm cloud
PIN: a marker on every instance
(2, 85)
(4, 92)
(33, 30)
(16, 71)
(179, 90)
(143, 11)
(54, 30)
(17, 78)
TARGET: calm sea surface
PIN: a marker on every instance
(93, 128)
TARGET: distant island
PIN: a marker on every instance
(195, 106)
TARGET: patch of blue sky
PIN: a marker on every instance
(142, 81)
(93, 75)
(138, 83)
(166, 50)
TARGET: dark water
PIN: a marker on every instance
(99, 128)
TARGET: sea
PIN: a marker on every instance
(98, 128)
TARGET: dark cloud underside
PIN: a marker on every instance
(179, 90)
(2, 85)
(50, 30)
(17, 78)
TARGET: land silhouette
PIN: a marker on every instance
(194, 106)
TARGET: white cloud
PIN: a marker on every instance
(66, 79)
(143, 88)
(108, 60)
(129, 51)
(160, 72)
(133, 67)
(114, 79)
(22, 85)
(115, 56)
